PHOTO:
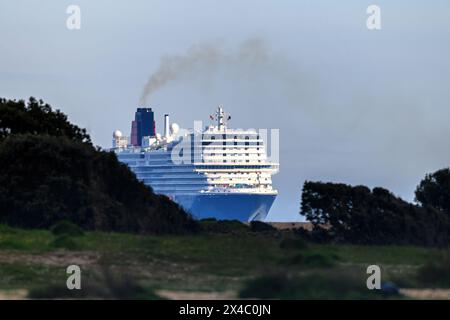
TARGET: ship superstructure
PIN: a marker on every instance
(216, 172)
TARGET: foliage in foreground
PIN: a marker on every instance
(68, 228)
(213, 262)
(331, 285)
(108, 285)
(49, 172)
(436, 273)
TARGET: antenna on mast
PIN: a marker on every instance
(221, 117)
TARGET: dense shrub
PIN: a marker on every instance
(67, 228)
(259, 226)
(65, 242)
(106, 285)
(311, 260)
(293, 243)
(224, 226)
(319, 234)
(435, 273)
(330, 285)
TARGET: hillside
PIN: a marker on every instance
(50, 171)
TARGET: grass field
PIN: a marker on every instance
(215, 265)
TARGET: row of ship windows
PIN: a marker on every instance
(233, 154)
(190, 167)
(168, 154)
(232, 143)
(231, 161)
(197, 175)
(206, 147)
(210, 158)
(135, 163)
(199, 179)
(228, 148)
(230, 136)
(174, 180)
(189, 184)
(195, 182)
(234, 167)
(238, 179)
(187, 187)
(208, 150)
(229, 153)
(192, 174)
(151, 183)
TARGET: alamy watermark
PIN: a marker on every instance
(373, 22)
(189, 150)
(73, 21)
(74, 279)
(374, 280)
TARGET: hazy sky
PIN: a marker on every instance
(352, 105)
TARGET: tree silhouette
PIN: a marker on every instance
(50, 171)
(36, 117)
(434, 190)
(360, 215)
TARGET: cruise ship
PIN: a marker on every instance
(212, 172)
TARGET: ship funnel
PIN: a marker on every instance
(166, 126)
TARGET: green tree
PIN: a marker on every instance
(50, 171)
(434, 190)
(360, 215)
(36, 117)
(46, 179)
